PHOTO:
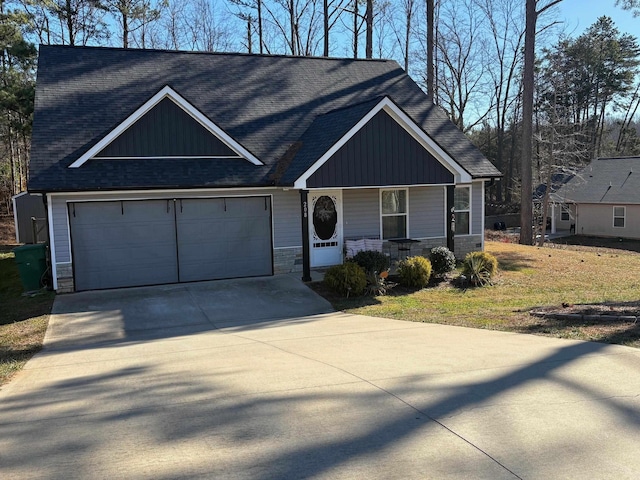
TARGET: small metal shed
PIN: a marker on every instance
(30, 218)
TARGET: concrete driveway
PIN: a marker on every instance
(253, 379)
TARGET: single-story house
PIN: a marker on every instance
(164, 167)
(560, 217)
(604, 198)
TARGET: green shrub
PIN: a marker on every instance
(414, 272)
(442, 260)
(372, 261)
(479, 268)
(346, 279)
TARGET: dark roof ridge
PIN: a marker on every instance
(204, 52)
(373, 101)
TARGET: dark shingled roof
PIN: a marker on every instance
(605, 180)
(265, 103)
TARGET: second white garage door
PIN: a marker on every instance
(147, 242)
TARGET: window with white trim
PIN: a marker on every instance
(394, 213)
(462, 209)
(619, 214)
(564, 214)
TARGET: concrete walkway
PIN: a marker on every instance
(253, 379)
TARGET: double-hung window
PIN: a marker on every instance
(462, 208)
(619, 214)
(394, 213)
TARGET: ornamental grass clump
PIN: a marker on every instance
(414, 272)
(442, 260)
(479, 268)
(348, 279)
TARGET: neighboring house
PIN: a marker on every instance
(163, 167)
(604, 199)
(559, 217)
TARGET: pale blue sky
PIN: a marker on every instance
(581, 14)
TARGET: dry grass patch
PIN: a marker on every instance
(528, 278)
(23, 319)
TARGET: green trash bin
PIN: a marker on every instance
(32, 265)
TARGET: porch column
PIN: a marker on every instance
(451, 222)
(553, 218)
(306, 260)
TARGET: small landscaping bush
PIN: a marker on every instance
(479, 268)
(346, 279)
(442, 260)
(372, 261)
(414, 272)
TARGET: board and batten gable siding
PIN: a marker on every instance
(166, 131)
(286, 213)
(361, 213)
(380, 153)
(426, 212)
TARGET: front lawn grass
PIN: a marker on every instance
(23, 320)
(528, 277)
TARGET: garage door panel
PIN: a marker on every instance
(127, 243)
(146, 242)
(224, 238)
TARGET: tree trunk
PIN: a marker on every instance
(355, 28)
(125, 30)
(526, 189)
(249, 37)
(430, 49)
(407, 36)
(292, 21)
(368, 16)
(325, 6)
(260, 39)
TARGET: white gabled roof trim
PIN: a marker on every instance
(167, 92)
(386, 104)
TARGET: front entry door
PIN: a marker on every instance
(325, 227)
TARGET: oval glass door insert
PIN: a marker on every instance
(325, 218)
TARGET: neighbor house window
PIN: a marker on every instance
(394, 213)
(618, 216)
(462, 207)
(564, 215)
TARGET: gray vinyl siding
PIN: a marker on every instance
(426, 212)
(382, 153)
(60, 230)
(287, 226)
(477, 192)
(166, 130)
(361, 213)
(287, 230)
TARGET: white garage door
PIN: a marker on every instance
(148, 242)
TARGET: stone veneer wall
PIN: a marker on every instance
(466, 244)
(64, 273)
(287, 260)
